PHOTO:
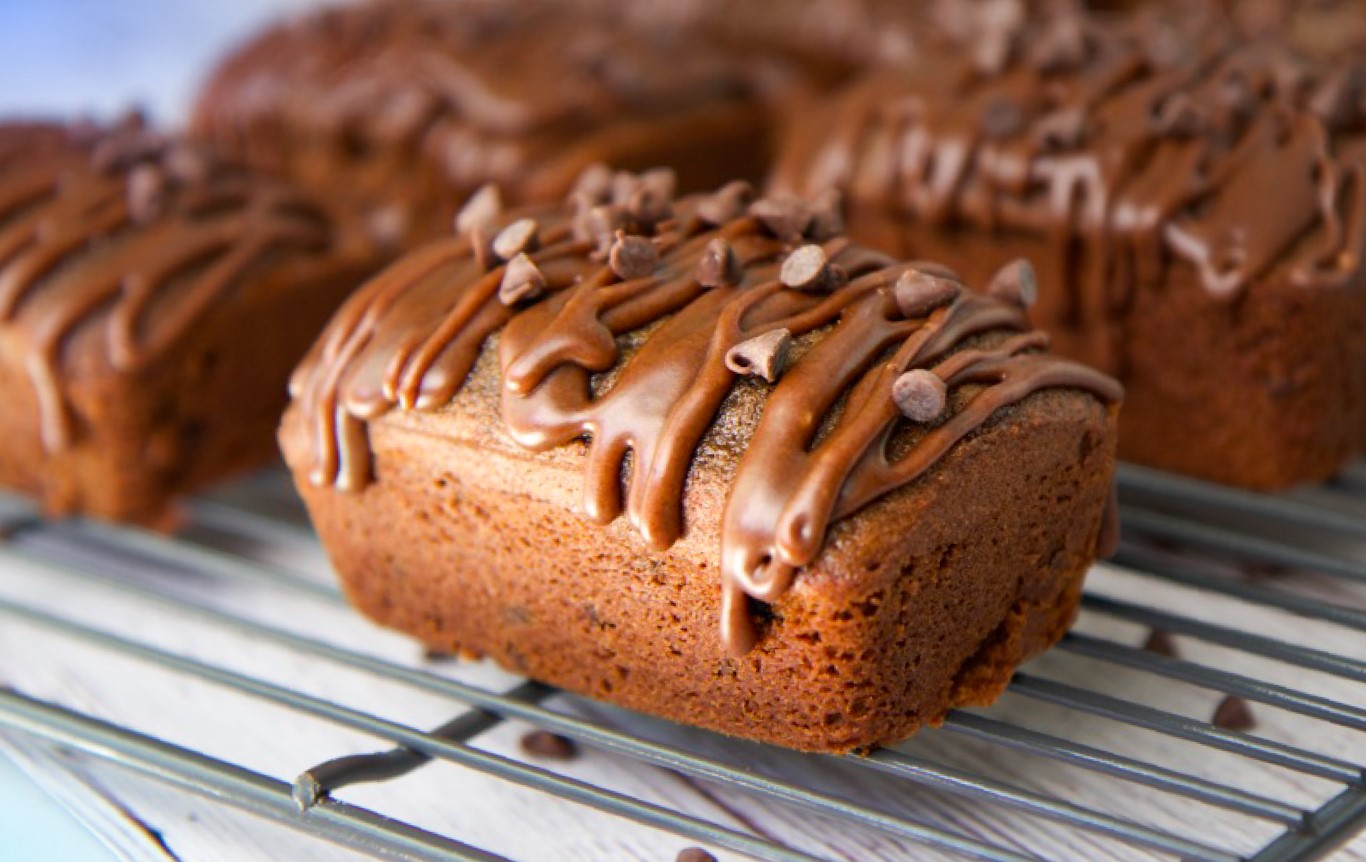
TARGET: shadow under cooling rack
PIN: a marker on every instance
(1101, 749)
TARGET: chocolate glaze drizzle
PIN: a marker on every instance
(124, 230)
(1128, 141)
(408, 340)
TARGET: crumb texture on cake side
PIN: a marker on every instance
(706, 458)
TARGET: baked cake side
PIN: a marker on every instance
(713, 462)
(152, 303)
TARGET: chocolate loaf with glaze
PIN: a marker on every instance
(706, 459)
(1195, 202)
(405, 108)
(153, 301)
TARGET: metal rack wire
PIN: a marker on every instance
(1164, 546)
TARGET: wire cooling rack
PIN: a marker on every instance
(1102, 749)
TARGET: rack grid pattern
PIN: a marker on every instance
(1163, 544)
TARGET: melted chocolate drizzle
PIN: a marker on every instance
(1148, 139)
(408, 340)
(121, 229)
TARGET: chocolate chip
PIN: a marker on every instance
(660, 182)
(1160, 642)
(827, 216)
(931, 268)
(694, 854)
(594, 184)
(786, 217)
(482, 247)
(727, 204)
(648, 207)
(1233, 713)
(1002, 117)
(761, 356)
(598, 224)
(624, 185)
(146, 193)
(718, 266)
(918, 293)
(549, 746)
(647, 197)
(520, 236)
(1016, 283)
(632, 256)
(806, 268)
(1180, 117)
(480, 210)
(522, 280)
(920, 395)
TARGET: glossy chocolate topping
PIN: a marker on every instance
(1130, 142)
(121, 240)
(831, 439)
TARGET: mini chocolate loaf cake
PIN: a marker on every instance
(409, 107)
(708, 459)
(152, 303)
(1196, 205)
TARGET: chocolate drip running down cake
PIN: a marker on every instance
(708, 459)
(408, 107)
(1195, 204)
(152, 303)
